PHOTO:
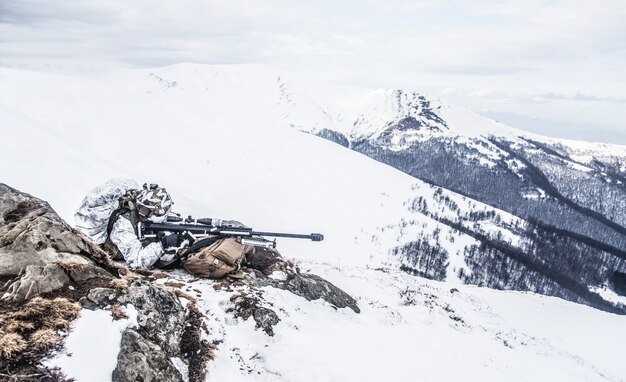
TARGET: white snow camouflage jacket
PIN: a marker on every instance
(136, 256)
(93, 215)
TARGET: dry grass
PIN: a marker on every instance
(48, 310)
(118, 312)
(129, 275)
(11, 344)
(180, 294)
(71, 266)
(176, 290)
(34, 327)
(44, 339)
(58, 323)
(13, 326)
(119, 283)
(174, 284)
(196, 350)
(160, 275)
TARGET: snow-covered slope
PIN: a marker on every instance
(222, 140)
(212, 137)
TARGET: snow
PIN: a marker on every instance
(91, 349)
(435, 334)
(214, 141)
(220, 139)
(609, 295)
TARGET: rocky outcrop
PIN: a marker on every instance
(53, 278)
(313, 287)
(248, 305)
(267, 268)
(43, 256)
(149, 348)
(31, 233)
(40, 253)
(160, 315)
(142, 360)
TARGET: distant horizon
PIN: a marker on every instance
(556, 67)
(558, 130)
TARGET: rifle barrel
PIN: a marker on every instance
(313, 236)
(229, 231)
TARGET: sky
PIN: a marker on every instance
(556, 67)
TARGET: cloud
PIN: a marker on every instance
(452, 36)
(529, 52)
(578, 96)
(536, 97)
(36, 11)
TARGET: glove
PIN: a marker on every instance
(171, 240)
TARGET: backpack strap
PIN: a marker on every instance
(126, 208)
(113, 218)
(198, 244)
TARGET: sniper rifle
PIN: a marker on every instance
(198, 228)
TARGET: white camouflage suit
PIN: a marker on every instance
(98, 206)
(93, 215)
(124, 237)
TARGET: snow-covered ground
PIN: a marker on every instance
(414, 329)
(409, 329)
(221, 140)
(90, 352)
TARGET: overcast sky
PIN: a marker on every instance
(551, 66)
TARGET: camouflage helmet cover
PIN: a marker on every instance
(153, 200)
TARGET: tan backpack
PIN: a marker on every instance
(215, 257)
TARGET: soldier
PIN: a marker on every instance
(215, 258)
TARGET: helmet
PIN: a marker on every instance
(153, 201)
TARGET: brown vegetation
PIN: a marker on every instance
(118, 312)
(34, 328)
(197, 351)
(11, 344)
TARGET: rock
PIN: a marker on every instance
(102, 297)
(161, 322)
(31, 233)
(247, 306)
(265, 319)
(161, 316)
(11, 263)
(313, 287)
(141, 360)
(86, 303)
(36, 280)
(263, 259)
(81, 273)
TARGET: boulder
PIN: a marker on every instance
(35, 281)
(249, 305)
(263, 262)
(31, 233)
(161, 316)
(313, 287)
(142, 360)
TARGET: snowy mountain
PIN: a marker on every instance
(227, 142)
(570, 195)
